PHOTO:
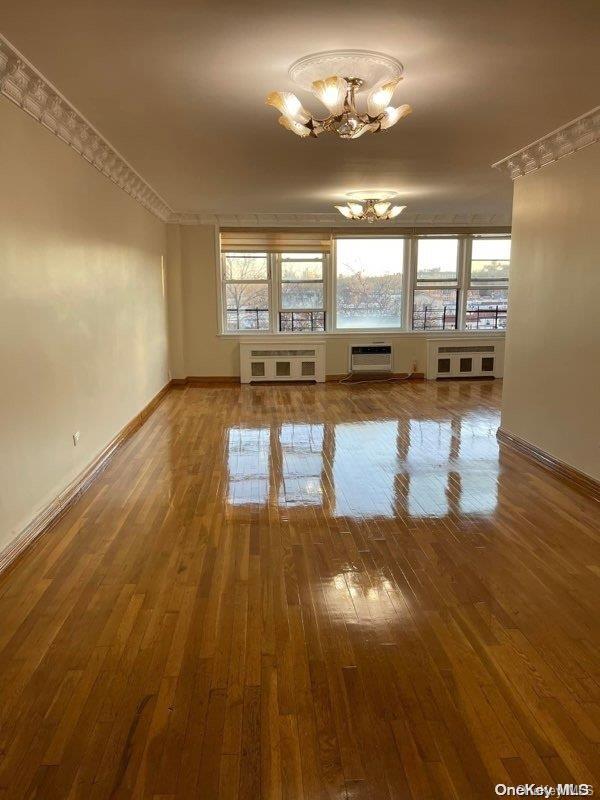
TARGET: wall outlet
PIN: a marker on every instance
(76, 436)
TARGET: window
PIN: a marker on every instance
(302, 292)
(289, 281)
(369, 283)
(487, 295)
(246, 283)
(435, 297)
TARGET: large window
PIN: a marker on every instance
(246, 283)
(302, 292)
(487, 295)
(305, 282)
(369, 283)
(435, 298)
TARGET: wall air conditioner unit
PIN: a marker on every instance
(262, 361)
(465, 358)
(371, 357)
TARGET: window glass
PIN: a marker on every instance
(246, 267)
(369, 283)
(435, 309)
(247, 306)
(486, 309)
(302, 292)
(490, 259)
(437, 260)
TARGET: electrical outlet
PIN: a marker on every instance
(76, 436)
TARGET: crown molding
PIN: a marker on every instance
(26, 87)
(262, 220)
(575, 135)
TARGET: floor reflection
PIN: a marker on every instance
(427, 467)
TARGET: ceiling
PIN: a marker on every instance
(178, 88)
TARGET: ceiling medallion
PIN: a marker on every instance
(371, 206)
(336, 78)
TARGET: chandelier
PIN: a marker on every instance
(370, 207)
(338, 94)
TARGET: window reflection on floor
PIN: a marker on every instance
(404, 468)
(302, 464)
(248, 465)
(364, 468)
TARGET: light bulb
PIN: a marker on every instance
(380, 97)
(356, 209)
(381, 208)
(392, 115)
(345, 211)
(294, 127)
(332, 93)
(289, 105)
(395, 211)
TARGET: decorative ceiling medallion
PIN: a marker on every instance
(371, 205)
(372, 67)
(337, 79)
(569, 138)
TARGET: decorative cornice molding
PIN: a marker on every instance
(569, 138)
(25, 86)
(262, 220)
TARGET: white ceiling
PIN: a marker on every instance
(179, 86)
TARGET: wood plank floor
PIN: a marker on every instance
(307, 592)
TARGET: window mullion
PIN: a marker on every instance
(464, 280)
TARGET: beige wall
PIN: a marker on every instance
(552, 361)
(82, 312)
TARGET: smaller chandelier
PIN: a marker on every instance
(338, 94)
(376, 208)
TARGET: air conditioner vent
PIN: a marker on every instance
(467, 349)
(371, 357)
(279, 353)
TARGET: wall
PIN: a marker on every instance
(84, 341)
(552, 361)
(197, 349)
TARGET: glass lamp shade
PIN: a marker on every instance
(392, 115)
(294, 127)
(345, 211)
(380, 97)
(289, 105)
(395, 211)
(356, 209)
(332, 93)
(381, 208)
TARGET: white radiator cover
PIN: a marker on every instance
(473, 357)
(287, 360)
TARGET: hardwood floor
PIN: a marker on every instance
(307, 592)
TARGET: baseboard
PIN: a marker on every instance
(559, 469)
(50, 515)
(205, 380)
(416, 376)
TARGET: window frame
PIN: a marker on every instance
(334, 328)
(224, 281)
(278, 283)
(462, 285)
(470, 284)
(453, 284)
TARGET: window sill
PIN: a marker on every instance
(353, 332)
